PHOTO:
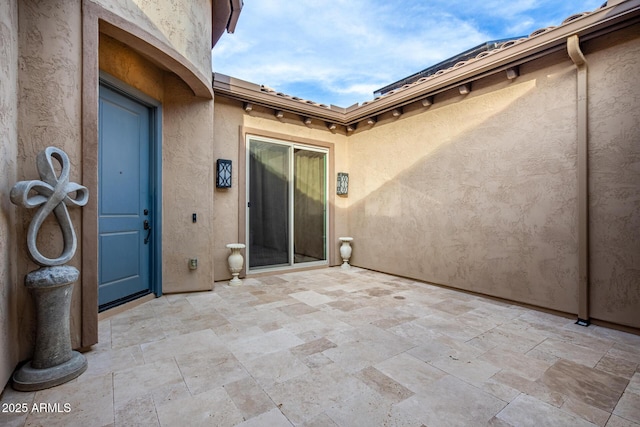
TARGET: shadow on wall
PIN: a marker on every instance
(488, 201)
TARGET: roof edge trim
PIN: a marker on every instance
(540, 43)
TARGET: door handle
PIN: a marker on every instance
(147, 227)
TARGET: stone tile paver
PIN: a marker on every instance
(336, 348)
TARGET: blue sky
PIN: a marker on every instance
(339, 51)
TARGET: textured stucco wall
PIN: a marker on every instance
(188, 186)
(228, 119)
(49, 113)
(8, 154)
(477, 192)
(183, 25)
(48, 110)
(126, 65)
(614, 131)
(187, 170)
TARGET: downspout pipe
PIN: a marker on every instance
(582, 143)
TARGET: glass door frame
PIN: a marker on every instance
(292, 145)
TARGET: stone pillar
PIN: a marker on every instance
(54, 362)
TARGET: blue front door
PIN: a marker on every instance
(124, 205)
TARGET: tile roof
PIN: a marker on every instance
(447, 63)
(269, 90)
(506, 55)
(501, 47)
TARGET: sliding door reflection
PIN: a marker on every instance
(309, 210)
(287, 204)
(269, 204)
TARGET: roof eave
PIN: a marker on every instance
(600, 21)
(249, 92)
(225, 17)
(608, 18)
(236, 8)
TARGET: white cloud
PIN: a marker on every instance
(358, 88)
(339, 51)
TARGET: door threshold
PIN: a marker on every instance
(268, 271)
(124, 307)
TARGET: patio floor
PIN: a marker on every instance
(332, 347)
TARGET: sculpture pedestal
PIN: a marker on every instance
(345, 251)
(235, 261)
(54, 362)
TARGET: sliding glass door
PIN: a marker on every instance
(309, 205)
(287, 204)
(268, 204)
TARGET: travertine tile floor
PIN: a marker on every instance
(345, 348)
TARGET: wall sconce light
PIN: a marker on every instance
(343, 184)
(223, 173)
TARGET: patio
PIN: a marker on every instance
(331, 347)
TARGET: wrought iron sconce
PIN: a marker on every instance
(223, 173)
(343, 184)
